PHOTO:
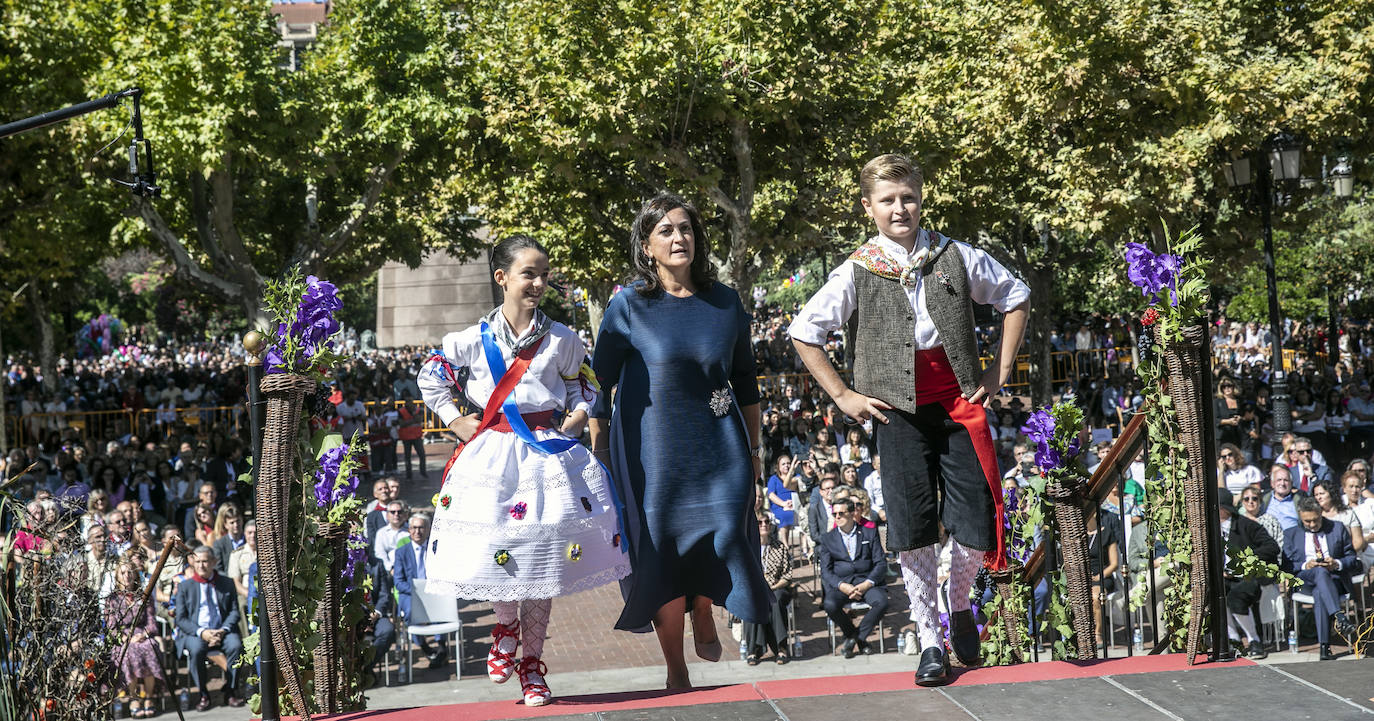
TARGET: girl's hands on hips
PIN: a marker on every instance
(465, 426)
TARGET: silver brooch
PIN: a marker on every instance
(720, 402)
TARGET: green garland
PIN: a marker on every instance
(1166, 462)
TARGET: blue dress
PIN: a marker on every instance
(680, 461)
(786, 518)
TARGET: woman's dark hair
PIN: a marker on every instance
(1337, 495)
(642, 265)
(503, 253)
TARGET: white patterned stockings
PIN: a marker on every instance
(920, 573)
(534, 623)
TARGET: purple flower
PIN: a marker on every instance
(357, 554)
(312, 328)
(1153, 273)
(1039, 427)
(328, 489)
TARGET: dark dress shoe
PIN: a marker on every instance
(204, 703)
(963, 638)
(232, 701)
(1325, 653)
(850, 648)
(1256, 650)
(866, 648)
(438, 659)
(1344, 627)
(934, 667)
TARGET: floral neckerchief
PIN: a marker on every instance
(872, 256)
(539, 328)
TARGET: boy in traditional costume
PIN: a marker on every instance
(907, 295)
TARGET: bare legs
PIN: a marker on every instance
(670, 623)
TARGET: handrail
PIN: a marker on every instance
(1118, 460)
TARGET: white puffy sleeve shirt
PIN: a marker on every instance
(550, 384)
(990, 283)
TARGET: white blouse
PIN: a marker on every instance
(829, 309)
(552, 382)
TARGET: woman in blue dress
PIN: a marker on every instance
(682, 439)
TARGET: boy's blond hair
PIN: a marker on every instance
(890, 167)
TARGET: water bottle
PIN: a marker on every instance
(743, 649)
(1138, 639)
(796, 648)
(184, 699)
(1293, 640)
(901, 643)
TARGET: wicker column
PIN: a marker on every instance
(1067, 496)
(328, 671)
(285, 394)
(1184, 360)
(1012, 618)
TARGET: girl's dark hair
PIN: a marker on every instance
(642, 265)
(503, 253)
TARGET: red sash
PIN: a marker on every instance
(491, 415)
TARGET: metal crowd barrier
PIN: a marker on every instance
(1066, 366)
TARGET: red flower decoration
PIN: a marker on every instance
(90, 664)
(51, 704)
(90, 677)
(518, 510)
(445, 500)
(1150, 318)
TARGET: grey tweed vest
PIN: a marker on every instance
(883, 329)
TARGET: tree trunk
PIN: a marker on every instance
(47, 353)
(597, 296)
(1038, 338)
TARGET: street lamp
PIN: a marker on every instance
(1279, 159)
(1343, 178)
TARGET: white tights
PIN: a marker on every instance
(534, 623)
(920, 573)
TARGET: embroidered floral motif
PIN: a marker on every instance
(445, 500)
(877, 261)
(908, 276)
(720, 402)
(502, 557)
(615, 541)
(435, 500)
(574, 552)
(434, 546)
(586, 505)
(945, 281)
(518, 511)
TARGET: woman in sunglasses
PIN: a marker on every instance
(1252, 507)
(1233, 473)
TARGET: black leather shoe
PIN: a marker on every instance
(204, 703)
(1256, 650)
(1325, 653)
(963, 638)
(934, 667)
(866, 648)
(1344, 627)
(850, 646)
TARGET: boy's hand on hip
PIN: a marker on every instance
(862, 407)
(465, 426)
(989, 386)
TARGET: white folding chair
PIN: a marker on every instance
(860, 607)
(434, 615)
(1306, 599)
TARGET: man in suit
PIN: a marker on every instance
(1306, 469)
(1320, 552)
(410, 566)
(1242, 594)
(818, 513)
(852, 569)
(207, 619)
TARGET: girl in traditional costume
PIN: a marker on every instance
(525, 513)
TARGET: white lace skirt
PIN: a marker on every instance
(512, 523)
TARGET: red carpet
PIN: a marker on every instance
(793, 688)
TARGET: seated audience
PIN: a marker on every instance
(207, 619)
(777, 572)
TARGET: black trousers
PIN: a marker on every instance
(771, 635)
(932, 473)
(876, 597)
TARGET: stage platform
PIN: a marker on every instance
(1143, 688)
